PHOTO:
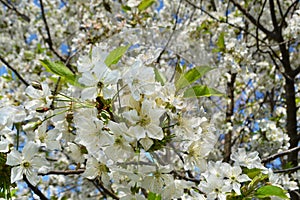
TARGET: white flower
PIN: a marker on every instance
(96, 168)
(250, 160)
(214, 187)
(157, 180)
(140, 79)
(120, 145)
(26, 163)
(91, 133)
(48, 138)
(40, 97)
(99, 80)
(146, 121)
(234, 177)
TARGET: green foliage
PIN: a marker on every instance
(270, 190)
(251, 173)
(5, 184)
(145, 4)
(153, 196)
(159, 77)
(191, 76)
(115, 55)
(61, 70)
(220, 43)
(201, 91)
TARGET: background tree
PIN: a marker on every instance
(246, 50)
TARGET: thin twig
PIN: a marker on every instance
(173, 31)
(289, 170)
(49, 40)
(9, 5)
(273, 157)
(62, 172)
(15, 71)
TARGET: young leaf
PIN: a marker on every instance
(221, 42)
(201, 91)
(191, 76)
(153, 196)
(61, 70)
(115, 55)
(251, 173)
(159, 77)
(145, 4)
(271, 190)
(58, 68)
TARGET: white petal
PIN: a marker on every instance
(14, 158)
(32, 177)
(155, 132)
(89, 93)
(30, 150)
(16, 174)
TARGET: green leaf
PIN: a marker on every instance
(271, 190)
(115, 55)
(191, 76)
(201, 91)
(145, 4)
(221, 42)
(159, 77)
(61, 70)
(251, 173)
(153, 196)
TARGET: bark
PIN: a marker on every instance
(229, 114)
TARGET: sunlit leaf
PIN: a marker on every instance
(145, 4)
(115, 55)
(191, 76)
(153, 196)
(271, 190)
(159, 77)
(201, 91)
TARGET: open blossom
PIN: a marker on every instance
(249, 160)
(157, 180)
(41, 97)
(99, 80)
(235, 177)
(214, 187)
(26, 163)
(140, 79)
(145, 121)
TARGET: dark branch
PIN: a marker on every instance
(289, 170)
(173, 31)
(277, 155)
(35, 189)
(62, 172)
(254, 21)
(102, 189)
(12, 7)
(288, 11)
(49, 41)
(15, 71)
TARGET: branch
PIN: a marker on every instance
(15, 71)
(273, 16)
(273, 157)
(35, 189)
(62, 172)
(254, 21)
(173, 31)
(9, 5)
(102, 189)
(290, 170)
(287, 11)
(49, 39)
